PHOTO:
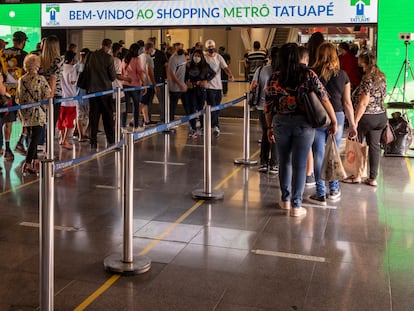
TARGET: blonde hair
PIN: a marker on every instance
(327, 61)
(50, 51)
(31, 63)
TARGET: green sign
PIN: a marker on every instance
(22, 17)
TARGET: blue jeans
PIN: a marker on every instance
(318, 149)
(214, 99)
(136, 99)
(294, 137)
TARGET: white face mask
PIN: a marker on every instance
(153, 52)
(196, 59)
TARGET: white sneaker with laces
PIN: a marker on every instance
(298, 212)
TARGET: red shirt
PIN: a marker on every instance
(349, 64)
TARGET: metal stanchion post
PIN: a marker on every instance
(207, 193)
(167, 107)
(246, 136)
(128, 263)
(50, 130)
(46, 202)
(118, 115)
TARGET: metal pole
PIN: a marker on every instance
(207, 193)
(127, 263)
(118, 115)
(128, 196)
(166, 103)
(50, 130)
(207, 150)
(246, 135)
(46, 220)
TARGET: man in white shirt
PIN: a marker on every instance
(215, 86)
(176, 77)
(148, 66)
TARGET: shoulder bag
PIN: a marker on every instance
(254, 96)
(315, 112)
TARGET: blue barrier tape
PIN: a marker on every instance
(139, 135)
(25, 106)
(79, 97)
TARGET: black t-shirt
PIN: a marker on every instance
(160, 59)
(335, 88)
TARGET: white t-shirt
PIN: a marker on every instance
(118, 70)
(216, 63)
(146, 62)
(69, 89)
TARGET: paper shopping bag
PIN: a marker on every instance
(332, 168)
(356, 156)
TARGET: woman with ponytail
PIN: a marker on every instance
(370, 115)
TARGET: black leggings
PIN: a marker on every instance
(370, 127)
(34, 136)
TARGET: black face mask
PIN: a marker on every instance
(180, 52)
(211, 51)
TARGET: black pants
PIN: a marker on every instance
(101, 106)
(370, 127)
(267, 148)
(34, 133)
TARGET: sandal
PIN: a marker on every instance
(370, 182)
(352, 180)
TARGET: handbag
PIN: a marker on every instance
(254, 96)
(5, 101)
(356, 156)
(332, 168)
(387, 136)
(315, 112)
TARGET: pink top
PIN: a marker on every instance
(132, 70)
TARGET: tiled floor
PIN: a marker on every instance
(239, 253)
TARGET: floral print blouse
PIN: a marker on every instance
(376, 90)
(285, 100)
(31, 89)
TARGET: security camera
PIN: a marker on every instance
(406, 36)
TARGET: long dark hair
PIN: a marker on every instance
(132, 52)
(203, 62)
(290, 68)
(315, 40)
(274, 54)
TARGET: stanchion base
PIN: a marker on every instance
(245, 161)
(114, 263)
(199, 194)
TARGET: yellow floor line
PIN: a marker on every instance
(98, 292)
(410, 170)
(147, 249)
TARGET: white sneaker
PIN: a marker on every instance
(298, 212)
(216, 131)
(284, 205)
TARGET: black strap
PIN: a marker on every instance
(27, 90)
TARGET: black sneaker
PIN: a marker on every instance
(334, 195)
(310, 181)
(319, 200)
(274, 169)
(263, 168)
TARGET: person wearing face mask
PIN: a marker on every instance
(214, 87)
(176, 76)
(160, 74)
(197, 75)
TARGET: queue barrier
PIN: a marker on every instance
(127, 264)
